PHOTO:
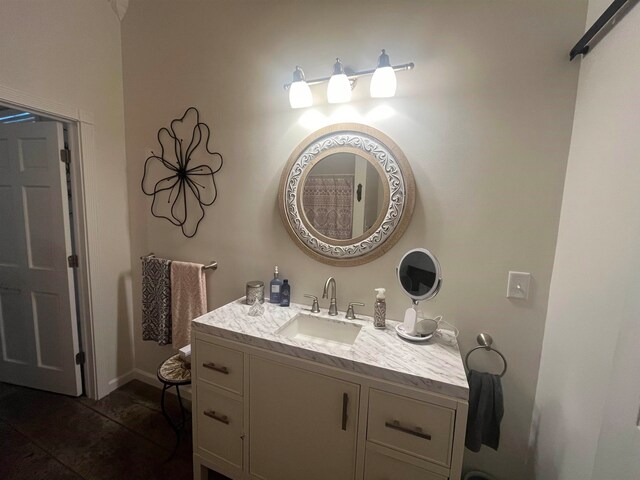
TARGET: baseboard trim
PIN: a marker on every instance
(146, 377)
(152, 379)
(117, 382)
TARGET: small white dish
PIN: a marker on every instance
(412, 338)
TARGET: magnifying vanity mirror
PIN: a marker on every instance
(420, 277)
(346, 194)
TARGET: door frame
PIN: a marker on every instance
(82, 146)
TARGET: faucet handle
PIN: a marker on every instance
(350, 313)
(315, 308)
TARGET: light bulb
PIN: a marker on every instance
(383, 83)
(299, 91)
(300, 95)
(339, 89)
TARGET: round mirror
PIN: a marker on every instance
(346, 194)
(419, 274)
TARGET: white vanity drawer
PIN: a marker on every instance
(220, 425)
(378, 466)
(220, 366)
(411, 426)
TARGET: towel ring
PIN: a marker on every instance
(485, 341)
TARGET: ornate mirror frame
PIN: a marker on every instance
(399, 193)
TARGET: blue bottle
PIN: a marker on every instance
(275, 288)
(285, 294)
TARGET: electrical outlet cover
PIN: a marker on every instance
(518, 285)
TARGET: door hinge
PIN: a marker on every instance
(72, 260)
(65, 156)
(80, 358)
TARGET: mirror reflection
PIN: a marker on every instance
(343, 196)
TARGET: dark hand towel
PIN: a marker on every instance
(486, 409)
(156, 300)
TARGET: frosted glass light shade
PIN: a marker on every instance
(383, 83)
(300, 95)
(339, 89)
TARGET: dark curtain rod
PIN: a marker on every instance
(582, 47)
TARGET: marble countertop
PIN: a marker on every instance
(431, 366)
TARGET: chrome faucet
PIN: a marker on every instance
(333, 309)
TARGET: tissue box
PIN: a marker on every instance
(185, 353)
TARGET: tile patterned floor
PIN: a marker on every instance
(123, 436)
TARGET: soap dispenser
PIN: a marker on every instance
(275, 288)
(380, 309)
(285, 294)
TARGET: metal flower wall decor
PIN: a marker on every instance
(181, 177)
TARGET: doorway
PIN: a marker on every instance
(41, 327)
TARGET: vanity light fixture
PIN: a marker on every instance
(299, 92)
(339, 89)
(383, 83)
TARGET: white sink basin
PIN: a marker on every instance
(327, 331)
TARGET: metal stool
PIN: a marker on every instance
(174, 372)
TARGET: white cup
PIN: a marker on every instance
(447, 333)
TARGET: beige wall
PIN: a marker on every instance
(587, 400)
(484, 119)
(68, 52)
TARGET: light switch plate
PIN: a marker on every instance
(518, 285)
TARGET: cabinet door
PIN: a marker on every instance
(302, 425)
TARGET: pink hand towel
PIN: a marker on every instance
(188, 300)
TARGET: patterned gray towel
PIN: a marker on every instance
(156, 300)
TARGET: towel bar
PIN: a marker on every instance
(210, 266)
(485, 341)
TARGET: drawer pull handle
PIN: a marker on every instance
(345, 405)
(215, 367)
(221, 418)
(395, 425)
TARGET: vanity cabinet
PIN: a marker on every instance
(264, 415)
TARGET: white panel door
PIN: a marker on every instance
(38, 329)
